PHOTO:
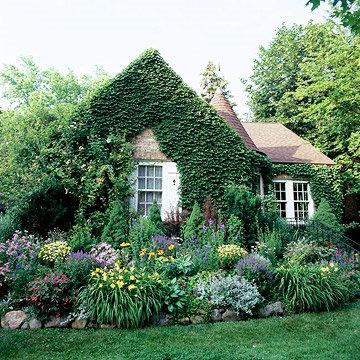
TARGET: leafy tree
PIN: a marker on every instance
(347, 11)
(315, 95)
(211, 80)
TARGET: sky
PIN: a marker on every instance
(79, 34)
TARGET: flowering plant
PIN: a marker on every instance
(258, 269)
(123, 296)
(230, 254)
(104, 254)
(161, 249)
(54, 252)
(51, 295)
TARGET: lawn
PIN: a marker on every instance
(333, 335)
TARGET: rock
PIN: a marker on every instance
(197, 319)
(35, 324)
(276, 308)
(107, 326)
(79, 323)
(165, 319)
(230, 315)
(13, 319)
(25, 325)
(57, 322)
(184, 321)
(216, 315)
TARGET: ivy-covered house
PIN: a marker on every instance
(186, 149)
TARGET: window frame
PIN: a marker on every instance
(290, 199)
(145, 190)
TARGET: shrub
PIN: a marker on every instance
(312, 287)
(302, 252)
(78, 267)
(175, 296)
(230, 254)
(54, 252)
(246, 206)
(155, 218)
(256, 268)
(18, 256)
(125, 297)
(80, 238)
(104, 254)
(117, 229)
(235, 230)
(51, 295)
(270, 245)
(173, 222)
(193, 227)
(230, 292)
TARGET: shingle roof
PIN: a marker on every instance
(282, 145)
(225, 110)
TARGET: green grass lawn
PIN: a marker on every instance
(333, 335)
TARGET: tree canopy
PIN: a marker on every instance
(308, 79)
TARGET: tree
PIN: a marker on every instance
(155, 218)
(347, 11)
(193, 227)
(315, 95)
(211, 80)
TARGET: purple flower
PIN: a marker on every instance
(255, 266)
(104, 254)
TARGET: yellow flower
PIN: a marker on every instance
(100, 285)
(124, 244)
(143, 252)
(132, 277)
(160, 252)
(151, 254)
(171, 247)
(120, 284)
(112, 285)
(132, 286)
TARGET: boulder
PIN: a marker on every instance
(13, 319)
(216, 315)
(230, 315)
(25, 325)
(35, 324)
(57, 322)
(276, 308)
(79, 323)
(107, 326)
(165, 319)
(184, 321)
(197, 319)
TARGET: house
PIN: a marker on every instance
(186, 149)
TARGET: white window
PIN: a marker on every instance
(294, 200)
(149, 187)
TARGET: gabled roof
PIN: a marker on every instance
(282, 145)
(225, 110)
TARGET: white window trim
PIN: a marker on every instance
(290, 203)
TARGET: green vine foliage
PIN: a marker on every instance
(324, 182)
(148, 94)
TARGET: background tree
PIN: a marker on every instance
(211, 80)
(347, 11)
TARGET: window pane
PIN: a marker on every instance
(150, 184)
(158, 197)
(158, 184)
(150, 171)
(141, 196)
(141, 183)
(149, 197)
(158, 171)
(141, 170)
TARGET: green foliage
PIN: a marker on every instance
(310, 288)
(80, 238)
(234, 230)
(175, 297)
(246, 206)
(270, 244)
(155, 218)
(302, 252)
(211, 80)
(308, 80)
(193, 227)
(126, 298)
(116, 230)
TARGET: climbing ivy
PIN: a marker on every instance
(148, 94)
(324, 182)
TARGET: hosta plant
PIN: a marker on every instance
(125, 297)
